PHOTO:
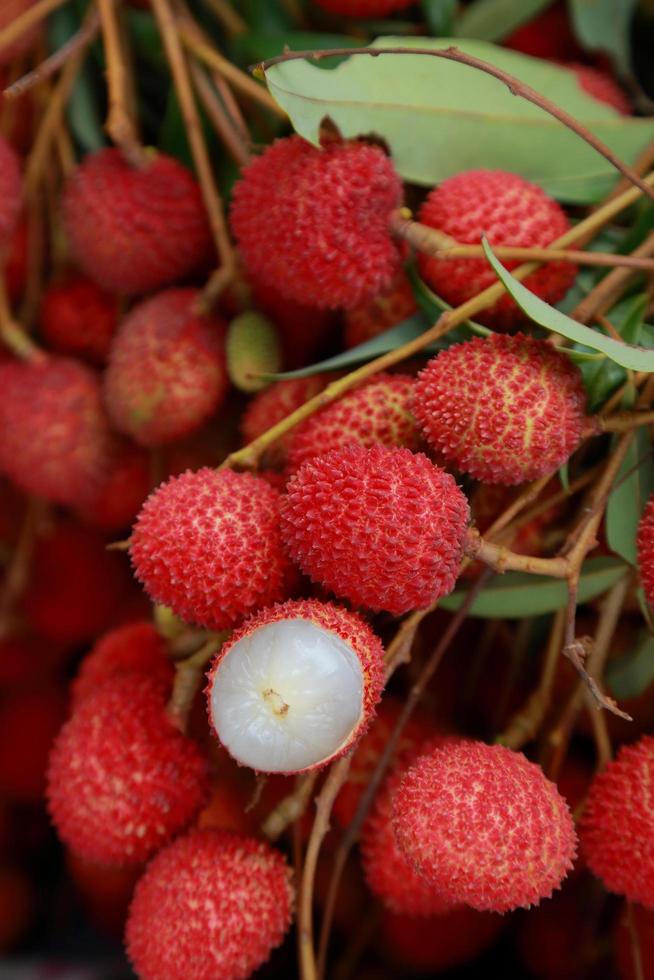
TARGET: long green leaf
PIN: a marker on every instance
(604, 25)
(439, 117)
(629, 675)
(492, 20)
(627, 355)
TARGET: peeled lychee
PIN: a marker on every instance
(212, 906)
(382, 527)
(122, 781)
(272, 405)
(313, 223)
(296, 686)
(617, 826)
(386, 310)
(11, 193)
(54, 437)
(508, 210)
(503, 409)
(166, 371)
(376, 414)
(645, 545)
(484, 826)
(208, 544)
(134, 229)
(79, 318)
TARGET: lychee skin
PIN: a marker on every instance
(119, 494)
(79, 318)
(508, 210)
(211, 906)
(272, 405)
(54, 436)
(377, 413)
(386, 310)
(617, 826)
(347, 625)
(484, 825)
(645, 548)
(602, 87)
(134, 229)
(122, 781)
(208, 544)
(166, 371)
(503, 409)
(364, 8)
(11, 193)
(313, 223)
(382, 527)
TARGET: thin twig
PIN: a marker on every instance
(608, 290)
(188, 677)
(230, 20)
(120, 125)
(81, 39)
(634, 939)
(290, 808)
(38, 12)
(221, 119)
(12, 334)
(16, 575)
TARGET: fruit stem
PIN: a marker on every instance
(230, 20)
(290, 808)
(19, 25)
(188, 677)
(224, 114)
(17, 573)
(120, 124)
(620, 422)
(501, 559)
(12, 335)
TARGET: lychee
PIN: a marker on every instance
(79, 318)
(601, 86)
(296, 686)
(212, 906)
(303, 330)
(484, 826)
(122, 781)
(378, 413)
(134, 229)
(386, 310)
(503, 409)
(364, 8)
(382, 527)
(645, 548)
(314, 223)
(508, 210)
(208, 544)
(124, 485)
(54, 436)
(253, 349)
(11, 193)
(548, 35)
(272, 405)
(617, 826)
(439, 942)
(166, 371)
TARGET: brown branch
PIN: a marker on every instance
(120, 124)
(12, 334)
(229, 19)
(19, 25)
(634, 940)
(620, 422)
(16, 575)
(609, 289)
(501, 559)
(230, 134)
(290, 808)
(80, 40)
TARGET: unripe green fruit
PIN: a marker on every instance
(253, 349)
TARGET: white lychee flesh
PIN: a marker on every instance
(287, 696)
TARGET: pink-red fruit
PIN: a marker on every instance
(122, 781)
(503, 409)
(211, 906)
(386, 310)
(79, 318)
(645, 547)
(11, 194)
(364, 8)
(508, 210)
(484, 826)
(208, 544)
(382, 527)
(133, 229)
(313, 223)
(272, 405)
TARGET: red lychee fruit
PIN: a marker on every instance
(119, 495)
(314, 223)
(439, 942)
(303, 330)
(601, 86)
(364, 8)
(122, 781)
(645, 547)
(548, 35)
(79, 318)
(11, 193)
(272, 405)
(29, 722)
(135, 650)
(166, 373)
(9, 12)
(212, 906)
(382, 312)
(296, 686)
(617, 826)
(484, 826)
(508, 210)
(54, 437)
(208, 544)
(134, 229)
(503, 409)
(382, 527)
(378, 413)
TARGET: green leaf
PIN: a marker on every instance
(631, 493)
(439, 117)
(492, 20)
(439, 16)
(433, 305)
(264, 16)
(627, 355)
(517, 595)
(604, 25)
(628, 676)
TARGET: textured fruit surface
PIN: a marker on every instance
(307, 722)
(439, 942)
(212, 906)
(377, 413)
(645, 546)
(208, 544)
(272, 405)
(503, 409)
(54, 437)
(548, 35)
(313, 223)
(124, 485)
(381, 527)
(602, 87)
(484, 825)
(508, 210)
(364, 8)
(134, 649)
(11, 193)
(617, 827)
(121, 779)
(79, 318)
(253, 348)
(133, 229)
(384, 311)
(166, 371)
